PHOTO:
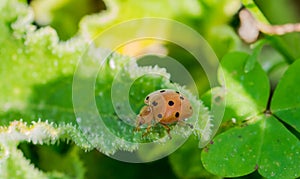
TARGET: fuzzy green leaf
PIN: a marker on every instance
(14, 165)
(38, 71)
(117, 115)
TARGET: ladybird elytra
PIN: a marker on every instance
(164, 107)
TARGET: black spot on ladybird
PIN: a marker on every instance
(154, 103)
(177, 92)
(162, 91)
(177, 114)
(159, 115)
(191, 108)
(171, 103)
(182, 98)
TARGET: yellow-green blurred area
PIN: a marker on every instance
(211, 19)
(215, 20)
(64, 15)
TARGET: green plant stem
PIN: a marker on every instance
(274, 41)
(277, 43)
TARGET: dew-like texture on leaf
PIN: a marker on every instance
(286, 98)
(35, 102)
(37, 70)
(17, 166)
(246, 93)
(119, 95)
(266, 146)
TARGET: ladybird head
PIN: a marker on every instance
(145, 116)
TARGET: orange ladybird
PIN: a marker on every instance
(164, 107)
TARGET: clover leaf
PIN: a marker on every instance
(260, 141)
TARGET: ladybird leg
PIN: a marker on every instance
(167, 129)
(149, 123)
(183, 123)
(145, 134)
(190, 125)
(140, 121)
(147, 131)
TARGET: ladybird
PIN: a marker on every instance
(164, 107)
